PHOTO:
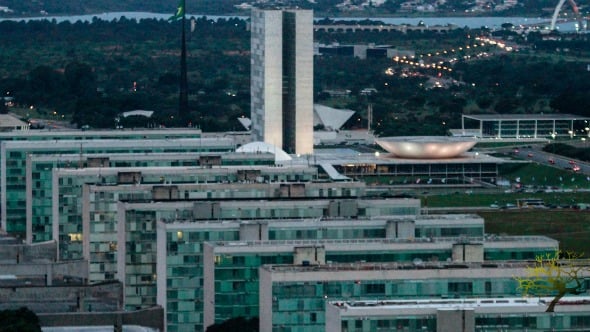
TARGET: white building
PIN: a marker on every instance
(282, 79)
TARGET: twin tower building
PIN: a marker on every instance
(282, 79)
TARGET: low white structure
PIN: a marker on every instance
(260, 147)
(9, 122)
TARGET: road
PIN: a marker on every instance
(542, 157)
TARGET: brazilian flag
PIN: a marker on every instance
(179, 12)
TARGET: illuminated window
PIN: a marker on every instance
(75, 237)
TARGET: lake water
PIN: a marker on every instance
(470, 22)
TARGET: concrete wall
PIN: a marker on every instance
(100, 297)
(153, 317)
(253, 231)
(265, 299)
(468, 252)
(401, 229)
(333, 319)
(22, 253)
(455, 320)
(309, 255)
(44, 273)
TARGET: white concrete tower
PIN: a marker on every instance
(282, 79)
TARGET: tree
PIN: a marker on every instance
(80, 79)
(20, 320)
(237, 324)
(554, 274)
(3, 108)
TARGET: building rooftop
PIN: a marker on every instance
(456, 303)
(385, 244)
(8, 121)
(496, 117)
(392, 266)
(99, 132)
(533, 238)
(348, 156)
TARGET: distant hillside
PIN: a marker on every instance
(67, 7)
(322, 8)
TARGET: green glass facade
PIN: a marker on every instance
(426, 323)
(13, 163)
(300, 306)
(236, 282)
(236, 272)
(13, 157)
(176, 184)
(184, 274)
(193, 234)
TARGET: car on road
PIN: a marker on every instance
(551, 161)
(530, 155)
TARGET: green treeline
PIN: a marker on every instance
(89, 73)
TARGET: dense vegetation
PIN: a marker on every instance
(19, 320)
(91, 72)
(238, 324)
(578, 153)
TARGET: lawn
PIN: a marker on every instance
(570, 228)
(533, 174)
(501, 199)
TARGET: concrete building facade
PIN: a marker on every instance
(294, 297)
(282, 79)
(451, 315)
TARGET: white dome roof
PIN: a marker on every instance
(280, 155)
(426, 147)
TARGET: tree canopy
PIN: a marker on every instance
(19, 320)
(554, 274)
(238, 324)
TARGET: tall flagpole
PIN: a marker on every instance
(183, 96)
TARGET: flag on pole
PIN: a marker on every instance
(179, 12)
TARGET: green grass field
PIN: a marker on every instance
(570, 228)
(501, 199)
